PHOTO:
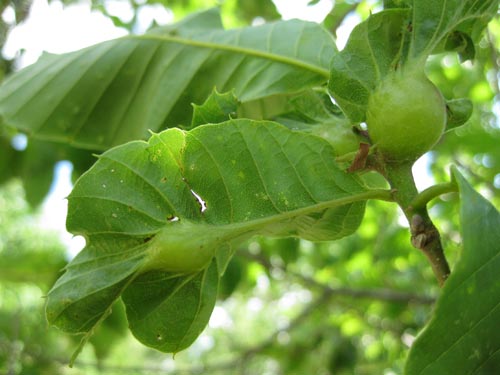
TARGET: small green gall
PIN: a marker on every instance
(406, 116)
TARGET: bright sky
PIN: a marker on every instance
(299, 9)
(57, 29)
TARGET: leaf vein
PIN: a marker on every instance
(137, 173)
(259, 174)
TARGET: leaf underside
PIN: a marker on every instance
(158, 301)
(116, 91)
(156, 214)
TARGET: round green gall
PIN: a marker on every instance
(183, 247)
(406, 116)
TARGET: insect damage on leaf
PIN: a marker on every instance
(202, 203)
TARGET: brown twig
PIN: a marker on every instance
(424, 234)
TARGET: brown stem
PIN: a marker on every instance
(426, 237)
(424, 234)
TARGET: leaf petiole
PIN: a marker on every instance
(424, 197)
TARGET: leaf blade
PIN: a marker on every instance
(115, 91)
(460, 338)
(434, 20)
(138, 210)
(194, 294)
(372, 51)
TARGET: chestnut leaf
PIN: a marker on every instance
(162, 219)
(115, 91)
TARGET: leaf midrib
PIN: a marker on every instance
(233, 230)
(236, 49)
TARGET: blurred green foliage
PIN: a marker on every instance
(286, 306)
(31, 259)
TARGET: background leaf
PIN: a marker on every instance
(340, 11)
(10, 157)
(396, 4)
(37, 170)
(458, 112)
(462, 336)
(115, 91)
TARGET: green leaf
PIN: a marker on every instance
(433, 21)
(165, 209)
(462, 336)
(462, 44)
(167, 311)
(396, 4)
(116, 91)
(233, 276)
(372, 51)
(338, 14)
(37, 170)
(458, 112)
(217, 108)
(206, 20)
(10, 158)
